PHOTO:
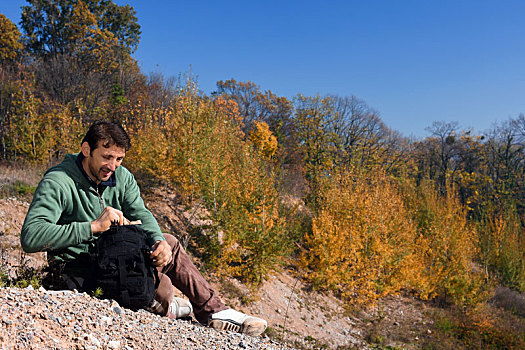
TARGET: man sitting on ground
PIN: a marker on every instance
(79, 198)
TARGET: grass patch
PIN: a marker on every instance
(273, 333)
(24, 277)
(23, 189)
(18, 275)
(17, 189)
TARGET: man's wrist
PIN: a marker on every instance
(94, 228)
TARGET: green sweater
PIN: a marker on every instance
(64, 204)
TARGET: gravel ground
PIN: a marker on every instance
(40, 319)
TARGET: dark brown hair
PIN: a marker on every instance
(111, 133)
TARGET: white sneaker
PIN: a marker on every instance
(179, 308)
(235, 321)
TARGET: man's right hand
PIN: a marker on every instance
(103, 222)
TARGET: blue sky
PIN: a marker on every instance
(414, 61)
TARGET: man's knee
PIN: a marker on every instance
(172, 241)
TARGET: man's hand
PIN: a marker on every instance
(103, 222)
(161, 253)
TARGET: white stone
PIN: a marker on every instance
(93, 340)
(114, 344)
(106, 321)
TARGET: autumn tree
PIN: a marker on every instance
(256, 106)
(10, 45)
(445, 246)
(50, 29)
(335, 131)
(487, 172)
(471, 176)
(81, 49)
(119, 20)
(361, 244)
(437, 153)
(505, 159)
(362, 137)
(317, 141)
(10, 49)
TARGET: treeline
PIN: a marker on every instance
(319, 183)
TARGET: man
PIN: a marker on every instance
(79, 198)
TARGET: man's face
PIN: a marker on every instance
(102, 162)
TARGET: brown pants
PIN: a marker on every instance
(182, 273)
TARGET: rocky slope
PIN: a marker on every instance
(68, 320)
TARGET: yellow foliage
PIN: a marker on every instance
(446, 246)
(263, 139)
(370, 239)
(38, 134)
(9, 40)
(68, 132)
(91, 45)
(361, 242)
(502, 245)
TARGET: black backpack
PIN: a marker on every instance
(123, 269)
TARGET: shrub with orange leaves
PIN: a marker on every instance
(446, 246)
(371, 237)
(502, 245)
(361, 243)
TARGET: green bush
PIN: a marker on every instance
(17, 189)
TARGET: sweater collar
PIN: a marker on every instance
(111, 182)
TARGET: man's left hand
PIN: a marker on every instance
(161, 253)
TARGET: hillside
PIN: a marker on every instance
(296, 315)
